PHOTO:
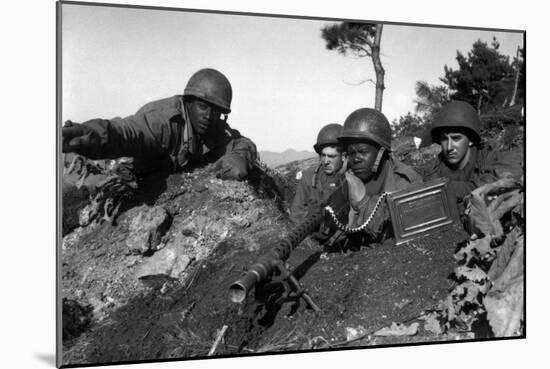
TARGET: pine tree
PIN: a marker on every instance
(361, 40)
(484, 77)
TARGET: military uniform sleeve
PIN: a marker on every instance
(486, 172)
(400, 178)
(244, 149)
(365, 208)
(299, 206)
(462, 188)
(429, 170)
(139, 134)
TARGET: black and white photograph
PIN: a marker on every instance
(232, 184)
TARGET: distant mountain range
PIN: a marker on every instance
(274, 159)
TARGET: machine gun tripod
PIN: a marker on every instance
(292, 289)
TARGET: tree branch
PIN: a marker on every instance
(365, 41)
(361, 82)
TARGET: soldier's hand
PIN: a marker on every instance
(356, 189)
(231, 167)
(77, 138)
(344, 165)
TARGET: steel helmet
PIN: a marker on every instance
(328, 135)
(369, 124)
(457, 114)
(211, 86)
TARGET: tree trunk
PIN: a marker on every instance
(516, 82)
(378, 69)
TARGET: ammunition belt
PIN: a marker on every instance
(362, 227)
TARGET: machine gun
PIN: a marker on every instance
(273, 262)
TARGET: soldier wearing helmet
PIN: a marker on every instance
(316, 184)
(173, 133)
(463, 159)
(372, 170)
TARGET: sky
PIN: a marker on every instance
(286, 84)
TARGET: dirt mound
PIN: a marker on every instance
(100, 270)
(221, 227)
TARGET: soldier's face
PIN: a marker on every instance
(331, 160)
(361, 158)
(455, 148)
(203, 116)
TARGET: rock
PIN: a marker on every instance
(354, 333)
(74, 200)
(146, 229)
(97, 306)
(73, 238)
(79, 294)
(240, 221)
(88, 214)
(195, 226)
(217, 230)
(254, 216)
(171, 261)
(132, 261)
(181, 264)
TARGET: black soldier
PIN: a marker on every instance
(316, 184)
(173, 133)
(372, 170)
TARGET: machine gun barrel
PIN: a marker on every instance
(263, 268)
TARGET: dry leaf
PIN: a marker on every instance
(514, 240)
(506, 181)
(432, 324)
(513, 270)
(504, 203)
(473, 274)
(475, 248)
(505, 308)
(464, 255)
(482, 218)
(482, 245)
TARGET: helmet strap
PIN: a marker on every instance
(376, 164)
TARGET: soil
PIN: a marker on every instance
(364, 290)
(111, 316)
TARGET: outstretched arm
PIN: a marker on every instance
(108, 139)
